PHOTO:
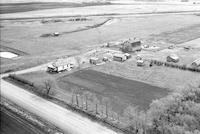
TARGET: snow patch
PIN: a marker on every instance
(111, 22)
(8, 55)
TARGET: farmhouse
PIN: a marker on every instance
(172, 58)
(58, 67)
(62, 65)
(119, 57)
(196, 63)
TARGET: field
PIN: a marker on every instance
(180, 35)
(173, 79)
(24, 7)
(24, 35)
(120, 92)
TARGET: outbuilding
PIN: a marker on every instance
(128, 56)
(119, 57)
(173, 58)
(140, 63)
(95, 60)
(56, 34)
(196, 63)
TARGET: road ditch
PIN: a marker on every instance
(27, 121)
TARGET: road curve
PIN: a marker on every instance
(69, 122)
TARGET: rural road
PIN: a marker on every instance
(69, 122)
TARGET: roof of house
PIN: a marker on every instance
(94, 58)
(119, 55)
(173, 56)
(197, 61)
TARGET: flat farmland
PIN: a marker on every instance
(24, 35)
(116, 9)
(120, 91)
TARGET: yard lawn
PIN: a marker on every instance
(171, 78)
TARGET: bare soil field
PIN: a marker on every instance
(117, 89)
(31, 6)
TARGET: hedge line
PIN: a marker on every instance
(20, 79)
(172, 65)
(31, 86)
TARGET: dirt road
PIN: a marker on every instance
(66, 120)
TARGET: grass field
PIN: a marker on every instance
(172, 79)
(181, 35)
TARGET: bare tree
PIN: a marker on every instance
(77, 101)
(48, 86)
(86, 102)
